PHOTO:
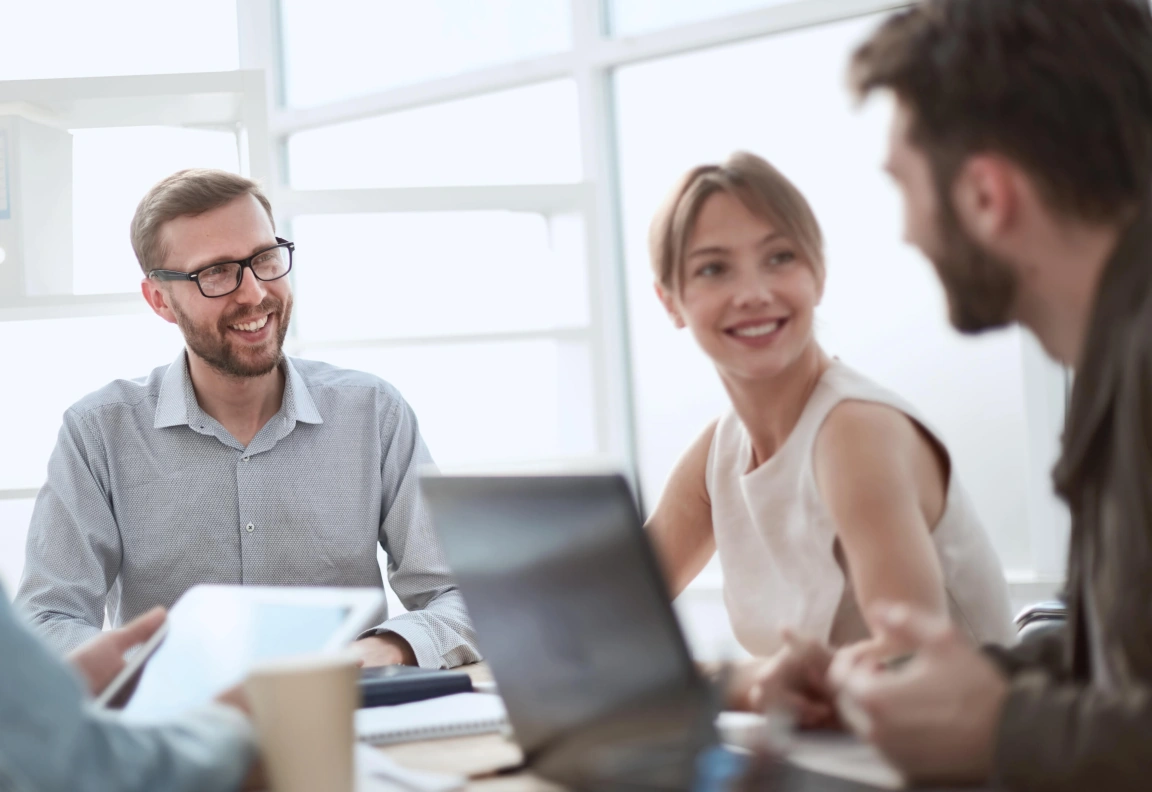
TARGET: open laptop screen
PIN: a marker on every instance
(569, 606)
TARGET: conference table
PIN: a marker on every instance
(492, 762)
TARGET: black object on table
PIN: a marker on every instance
(388, 685)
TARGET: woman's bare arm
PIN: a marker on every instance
(681, 524)
(884, 482)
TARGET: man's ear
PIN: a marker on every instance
(669, 304)
(986, 197)
(157, 300)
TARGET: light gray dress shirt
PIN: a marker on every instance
(52, 740)
(147, 495)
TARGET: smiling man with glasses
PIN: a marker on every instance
(235, 464)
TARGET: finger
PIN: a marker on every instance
(755, 697)
(855, 716)
(902, 625)
(865, 654)
(807, 651)
(806, 711)
(141, 628)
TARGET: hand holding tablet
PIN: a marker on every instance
(215, 634)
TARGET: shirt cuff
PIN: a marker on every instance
(425, 649)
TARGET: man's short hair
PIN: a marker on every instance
(1062, 87)
(185, 193)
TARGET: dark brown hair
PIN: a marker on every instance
(763, 190)
(187, 192)
(1062, 87)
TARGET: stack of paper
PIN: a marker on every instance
(447, 716)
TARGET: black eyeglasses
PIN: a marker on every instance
(217, 280)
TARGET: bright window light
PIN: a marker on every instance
(15, 515)
(633, 17)
(416, 274)
(527, 135)
(81, 38)
(489, 403)
(344, 48)
(52, 363)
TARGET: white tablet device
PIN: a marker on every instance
(215, 634)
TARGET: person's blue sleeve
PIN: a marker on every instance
(53, 740)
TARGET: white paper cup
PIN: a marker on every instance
(304, 711)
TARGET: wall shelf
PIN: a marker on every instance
(233, 100)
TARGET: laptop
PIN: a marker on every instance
(573, 617)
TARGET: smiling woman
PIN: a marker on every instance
(822, 493)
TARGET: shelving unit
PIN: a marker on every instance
(235, 101)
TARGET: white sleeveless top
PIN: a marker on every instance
(777, 540)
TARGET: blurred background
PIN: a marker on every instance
(469, 184)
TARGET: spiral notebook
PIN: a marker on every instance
(449, 716)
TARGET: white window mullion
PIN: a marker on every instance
(612, 376)
(591, 47)
(735, 28)
(19, 494)
(71, 306)
(543, 198)
(495, 78)
(573, 334)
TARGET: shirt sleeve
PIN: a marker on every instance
(1064, 736)
(1045, 653)
(437, 625)
(53, 740)
(73, 552)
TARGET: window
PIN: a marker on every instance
(489, 404)
(55, 362)
(527, 135)
(345, 48)
(413, 274)
(631, 17)
(416, 297)
(111, 171)
(79, 38)
(15, 514)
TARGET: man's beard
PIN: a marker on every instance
(214, 348)
(981, 288)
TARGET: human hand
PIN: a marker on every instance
(794, 679)
(102, 658)
(935, 717)
(873, 653)
(237, 698)
(382, 650)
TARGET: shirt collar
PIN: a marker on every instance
(298, 404)
(176, 404)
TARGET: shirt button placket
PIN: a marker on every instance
(243, 487)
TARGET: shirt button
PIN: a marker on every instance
(249, 527)
(247, 458)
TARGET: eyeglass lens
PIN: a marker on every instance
(224, 278)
